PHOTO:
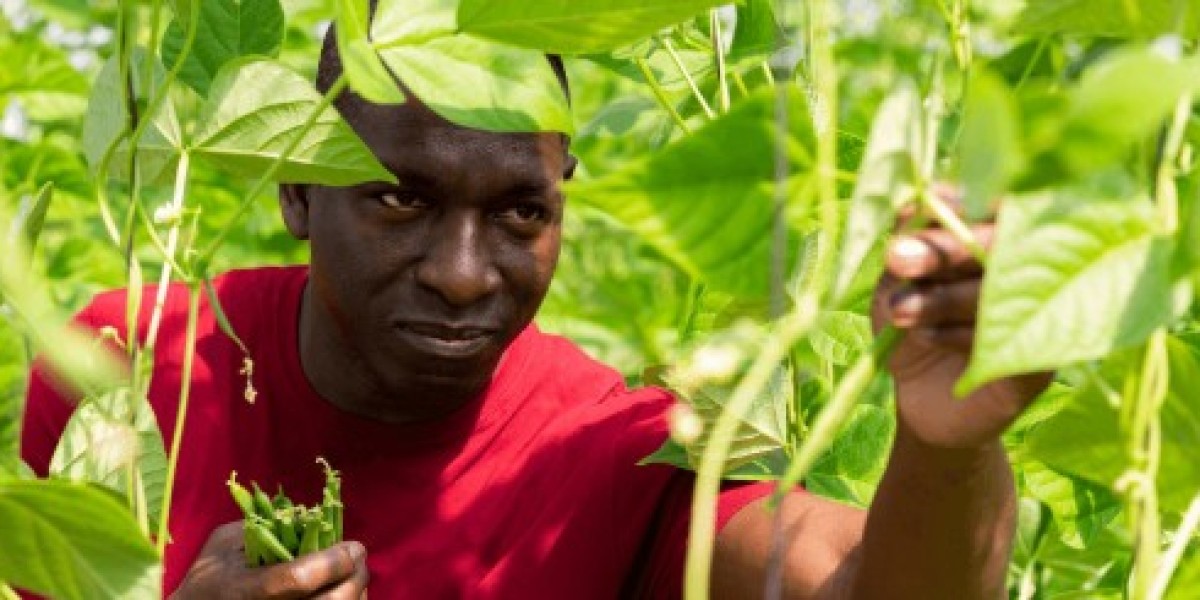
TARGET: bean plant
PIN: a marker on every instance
(742, 167)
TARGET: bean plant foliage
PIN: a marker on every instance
(742, 166)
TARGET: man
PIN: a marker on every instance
(484, 459)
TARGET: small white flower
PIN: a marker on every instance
(717, 363)
(686, 426)
(167, 214)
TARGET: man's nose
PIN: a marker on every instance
(458, 266)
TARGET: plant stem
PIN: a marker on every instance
(1145, 391)
(269, 176)
(1166, 188)
(953, 224)
(714, 19)
(687, 76)
(185, 388)
(164, 279)
(661, 95)
(1174, 553)
(708, 476)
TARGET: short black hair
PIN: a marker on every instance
(329, 67)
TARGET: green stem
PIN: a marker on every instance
(953, 224)
(712, 463)
(841, 405)
(269, 176)
(714, 19)
(1145, 391)
(164, 279)
(1167, 190)
(1170, 559)
(687, 76)
(661, 95)
(185, 388)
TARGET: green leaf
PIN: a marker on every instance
(1085, 439)
(254, 112)
(227, 29)
(990, 152)
(758, 33)
(1081, 509)
(851, 469)
(1124, 99)
(889, 167)
(706, 202)
(1075, 275)
(40, 76)
(27, 224)
(482, 84)
(363, 68)
(106, 119)
(104, 436)
(840, 337)
(72, 541)
(1109, 18)
(575, 26)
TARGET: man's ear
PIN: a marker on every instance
(293, 203)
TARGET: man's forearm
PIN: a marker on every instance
(941, 525)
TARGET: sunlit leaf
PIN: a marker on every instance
(104, 437)
(360, 62)
(1075, 274)
(574, 26)
(1080, 508)
(40, 76)
(840, 337)
(889, 167)
(257, 108)
(851, 469)
(73, 541)
(711, 221)
(226, 29)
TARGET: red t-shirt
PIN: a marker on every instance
(533, 491)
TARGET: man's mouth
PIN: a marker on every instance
(445, 340)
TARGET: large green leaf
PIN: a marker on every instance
(256, 109)
(71, 541)
(1085, 438)
(159, 146)
(1109, 18)
(1075, 275)
(889, 167)
(482, 84)
(464, 78)
(840, 337)
(104, 436)
(227, 29)
(707, 201)
(575, 26)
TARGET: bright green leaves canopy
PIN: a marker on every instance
(41, 78)
(465, 79)
(73, 541)
(258, 107)
(1075, 275)
(1110, 18)
(226, 29)
(574, 26)
(710, 221)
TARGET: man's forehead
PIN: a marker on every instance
(411, 135)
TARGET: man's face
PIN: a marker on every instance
(419, 287)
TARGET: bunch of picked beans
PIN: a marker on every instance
(278, 530)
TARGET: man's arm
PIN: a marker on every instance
(942, 520)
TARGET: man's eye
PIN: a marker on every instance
(525, 213)
(401, 201)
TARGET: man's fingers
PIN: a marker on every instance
(954, 337)
(313, 573)
(935, 254)
(935, 304)
(354, 588)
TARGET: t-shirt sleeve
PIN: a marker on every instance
(661, 576)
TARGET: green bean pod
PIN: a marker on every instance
(311, 540)
(253, 549)
(272, 550)
(241, 496)
(281, 501)
(332, 507)
(289, 529)
(262, 503)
